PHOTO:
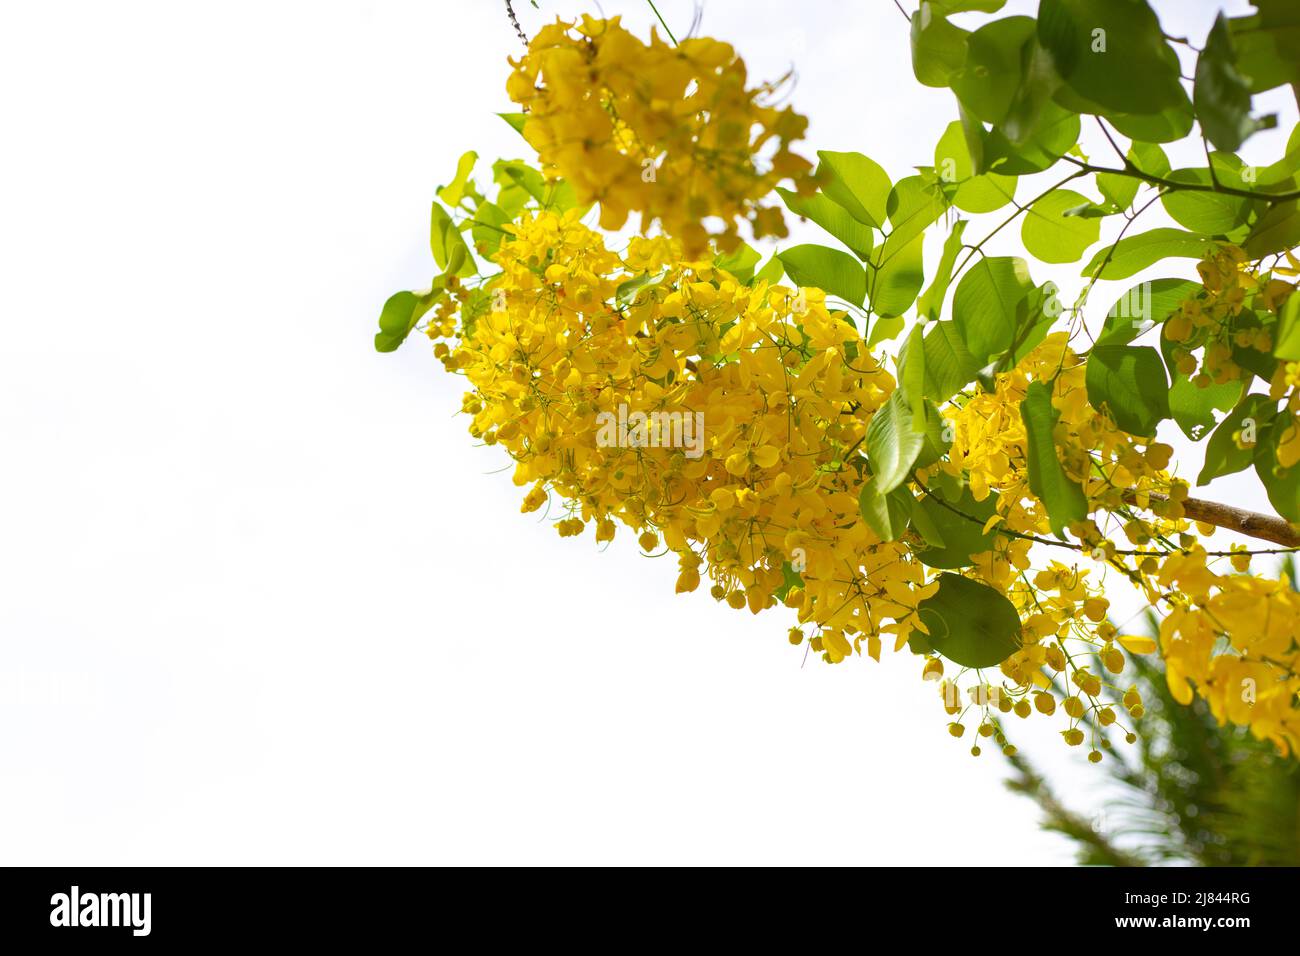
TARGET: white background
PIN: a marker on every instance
(261, 598)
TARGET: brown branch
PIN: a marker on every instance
(1250, 523)
(514, 21)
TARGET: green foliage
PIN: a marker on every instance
(822, 267)
(1063, 498)
(1129, 383)
(893, 444)
(970, 623)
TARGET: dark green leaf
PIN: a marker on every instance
(970, 623)
(1112, 53)
(1223, 454)
(1063, 498)
(1129, 382)
(1222, 94)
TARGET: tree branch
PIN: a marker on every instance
(1250, 523)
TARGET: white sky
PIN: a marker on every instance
(262, 599)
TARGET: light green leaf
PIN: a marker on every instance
(1134, 253)
(892, 443)
(887, 514)
(895, 283)
(989, 79)
(930, 304)
(938, 47)
(1052, 236)
(1278, 230)
(1143, 307)
(401, 313)
(1063, 498)
(455, 191)
(832, 217)
(515, 120)
(988, 305)
(858, 184)
(1129, 382)
(833, 271)
(1288, 331)
(949, 366)
(448, 246)
(740, 262)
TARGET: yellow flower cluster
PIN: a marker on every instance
(670, 131)
(714, 416)
(1233, 641)
(1213, 320)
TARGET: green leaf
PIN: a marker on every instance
(968, 6)
(832, 217)
(1129, 382)
(516, 172)
(401, 313)
(1119, 190)
(986, 193)
(630, 290)
(771, 272)
(488, 228)
(448, 245)
(1143, 307)
(896, 282)
(1050, 235)
(892, 443)
(975, 193)
(1287, 345)
(970, 623)
(1054, 134)
(1223, 456)
(858, 184)
(1063, 498)
(1193, 407)
(1278, 230)
(1268, 44)
(1222, 94)
(959, 520)
(516, 121)
(988, 81)
(740, 262)
(914, 203)
(911, 375)
(1149, 158)
(1112, 53)
(938, 47)
(1205, 212)
(1167, 126)
(454, 191)
(930, 304)
(887, 514)
(833, 271)
(988, 304)
(1134, 253)
(1282, 484)
(949, 366)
